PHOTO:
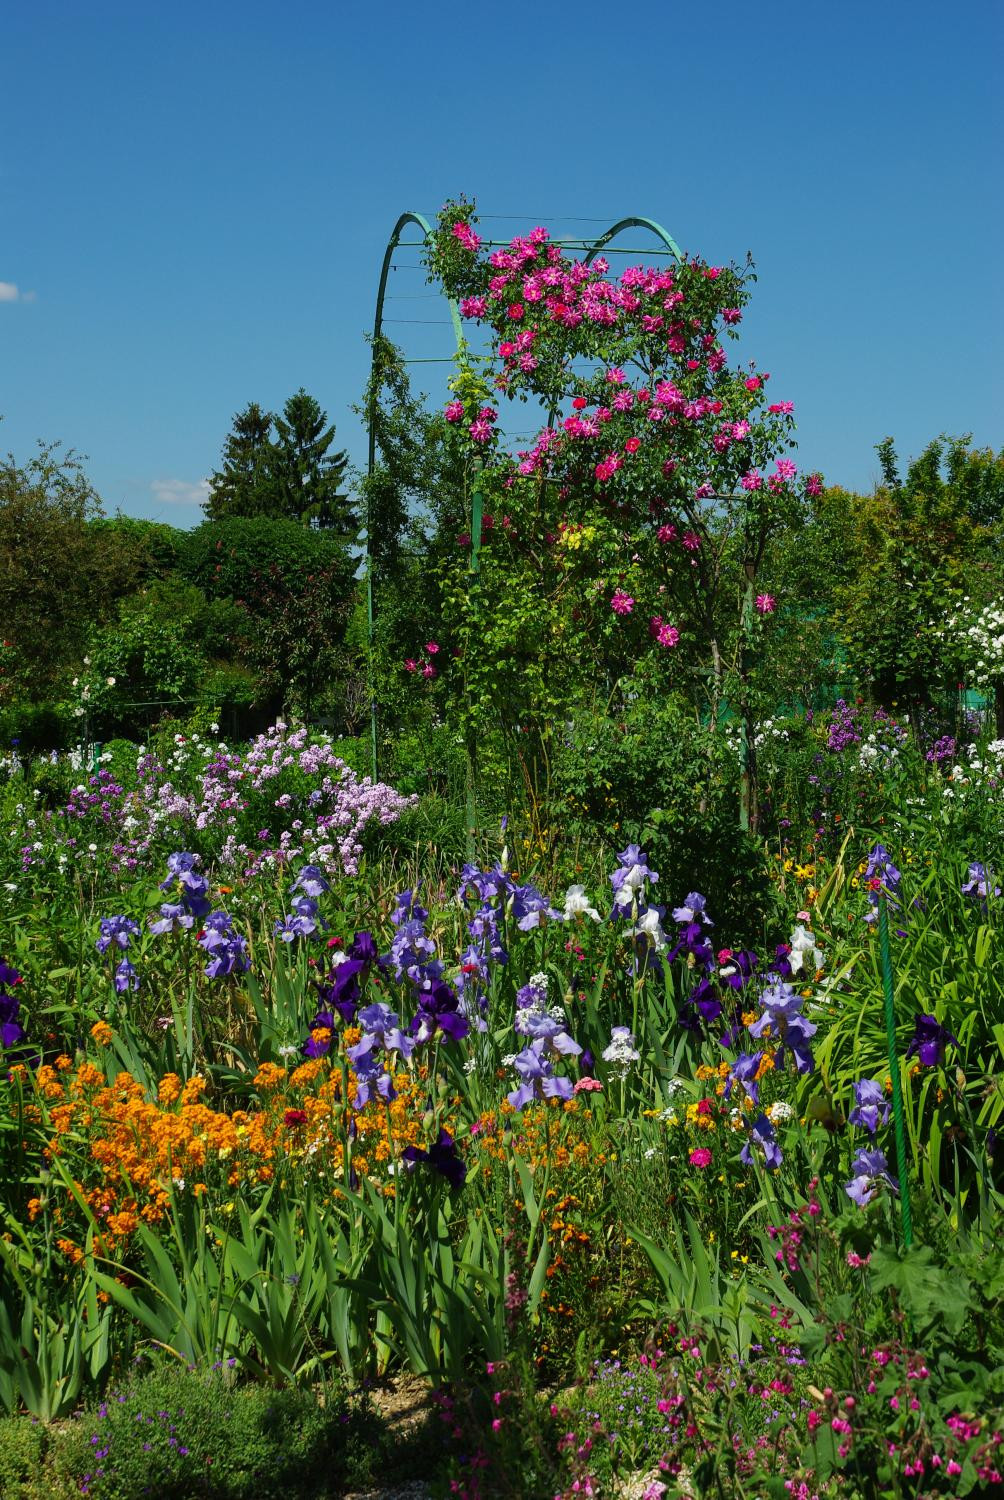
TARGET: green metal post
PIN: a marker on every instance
(747, 750)
(899, 1123)
(477, 512)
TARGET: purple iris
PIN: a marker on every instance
(782, 1012)
(116, 931)
(693, 910)
(871, 1108)
(539, 1082)
(442, 1157)
(881, 875)
(340, 990)
(11, 1030)
(929, 1041)
(126, 977)
(762, 1135)
(869, 1169)
(190, 885)
(744, 1071)
(978, 886)
(311, 882)
(302, 924)
(439, 1010)
(226, 948)
(628, 880)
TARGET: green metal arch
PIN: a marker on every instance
(634, 223)
(422, 224)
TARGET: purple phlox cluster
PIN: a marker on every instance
(11, 1030)
(871, 1108)
(869, 1169)
(762, 1135)
(442, 1157)
(381, 1033)
(881, 875)
(191, 891)
(929, 1041)
(782, 1012)
(943, 749)
(226, 949)
(979, 886)
(842, 730)
(629, 879)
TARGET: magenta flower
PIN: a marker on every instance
(765, 604)
(480, 430)
(786, 469)
(410, 664)
(428, 670)
(700, 1158)
(454, 411)
(621, 603)
(466, 235)
(432, 647)
(752, 481)
(690, 541)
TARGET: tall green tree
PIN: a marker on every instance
(307, 473)
(245, 484)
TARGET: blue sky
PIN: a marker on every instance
(194, 202)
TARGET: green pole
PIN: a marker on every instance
(747, 748)
(894, 1070)
(477, 512)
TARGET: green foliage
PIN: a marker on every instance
(179, 1433)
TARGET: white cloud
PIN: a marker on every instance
(11, 292)
(180, 492)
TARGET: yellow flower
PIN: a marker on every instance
(102, 1033)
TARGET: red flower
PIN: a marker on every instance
(632, 445)
(294, 1117)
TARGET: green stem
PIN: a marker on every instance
(894, 1070)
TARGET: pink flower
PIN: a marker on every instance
(632, 445)
(621, 603)
(752, 481)
(731, 315)
(454, 411)
(432, 647)
(666, 533)
(667, 635)
(516, 311)
(690, 541)
(587, 1086)
(428, 670)
(765, 604)
(466, 235)
(410, 664)
(615, 376)
(473, 307)
(480, 430)
(784, 408)
(814, 484)
(700, 1158)
(753, 383)
(786, 469)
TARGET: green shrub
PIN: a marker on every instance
(177, 1433)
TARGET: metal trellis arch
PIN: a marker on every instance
(589, 249)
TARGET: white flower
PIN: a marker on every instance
(577, 902)
(621, 1052)
(803, 948)
(779, 1112)
(650, 927)
(109, 681)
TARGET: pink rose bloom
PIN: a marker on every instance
(432, 647)
(765, 604)
(632, 445)
(783, 408)
(753, 383)
(666, 533)
(454, 411)
(700, 1158)
(667, 635)
(731, 315)
(621, 603)
(466, 235)
(752, 481)
(786, 469)
(691, 542)
(410, 664)
(480, 430)
(428, 670)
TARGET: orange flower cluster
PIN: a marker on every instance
(129, 1154)
(553, 1133)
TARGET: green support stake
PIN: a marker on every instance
(899, 1124)
(477, 511)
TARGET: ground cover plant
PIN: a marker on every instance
(626, 1066)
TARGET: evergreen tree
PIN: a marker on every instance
(245, 485)
(306, 473)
